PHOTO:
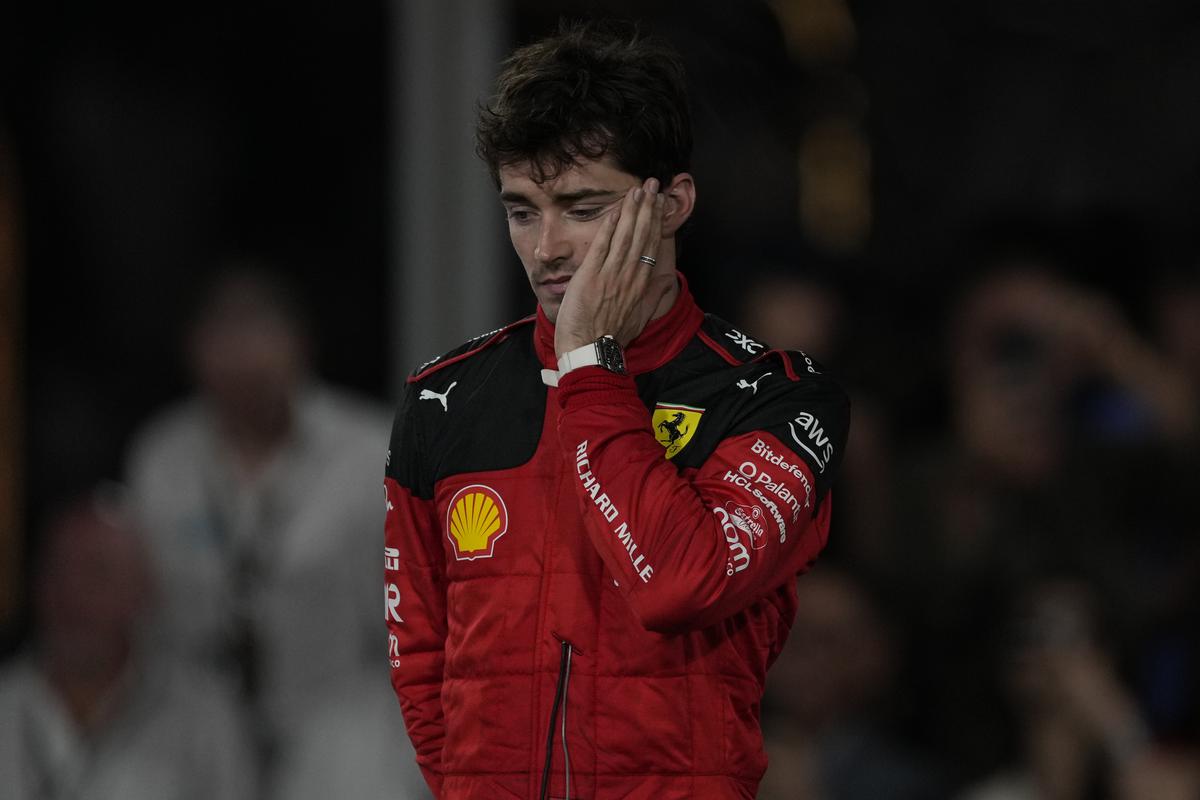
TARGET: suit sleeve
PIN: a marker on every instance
(415, 596)
(692, 547)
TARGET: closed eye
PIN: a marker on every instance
(587, 213)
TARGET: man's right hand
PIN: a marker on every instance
(613, 292)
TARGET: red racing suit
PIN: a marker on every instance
(586, 584)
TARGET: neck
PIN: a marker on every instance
(84, 688)
(664, 273)
(665, 270)
(1058, 758)
(666, 301)
(254, 440)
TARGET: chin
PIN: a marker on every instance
(550, 309)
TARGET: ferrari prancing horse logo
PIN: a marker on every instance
(674, 426)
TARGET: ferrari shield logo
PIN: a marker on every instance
(674, 426)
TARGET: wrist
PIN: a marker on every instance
(568, 345)
(604, 352)
(571, 338)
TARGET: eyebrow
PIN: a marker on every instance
(562, 198)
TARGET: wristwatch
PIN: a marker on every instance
(604, 352)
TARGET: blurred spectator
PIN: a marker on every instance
(1025, 343)
(263, 498)
(823, 714)
(90, 713)
(1160, 773)
(1081, 733)
(793, 311)
(1177, 321)
(1060, 455)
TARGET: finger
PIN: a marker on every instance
(640, 266)
(644, 267)
(624, 232)
(601, 244)
(633, 267)
(660, 210)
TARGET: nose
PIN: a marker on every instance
(552, 244)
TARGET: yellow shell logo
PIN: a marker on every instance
(475, 519)
(674, 426)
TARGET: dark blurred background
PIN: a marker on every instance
(984, 216)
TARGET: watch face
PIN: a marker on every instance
(611, 356)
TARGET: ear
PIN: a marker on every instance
(681, 199)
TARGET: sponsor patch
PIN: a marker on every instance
(674, 426)
(749, 520)
(745, 342)
(739, 556)
(815, 441)
(764, 451)
(808, 362)
(392, 603)
(591, 485)
(441, 397)
(745, 384)
(475, 519)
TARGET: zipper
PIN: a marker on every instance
(560, 700)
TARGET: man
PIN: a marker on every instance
(596, 515)
(87, 711)
(260, 519)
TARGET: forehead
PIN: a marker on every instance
(599, 174)
(84, 539)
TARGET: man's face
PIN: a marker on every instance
(248, 360)
(552, 224)
(90, 591)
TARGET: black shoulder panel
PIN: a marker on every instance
(480, 407)
(732, 344)
(468, 348)
(802, 407)
(707, 395)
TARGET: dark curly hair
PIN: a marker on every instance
(593, 89)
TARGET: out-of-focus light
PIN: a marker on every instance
(817, 31)
(835, 184)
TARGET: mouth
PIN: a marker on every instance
(556, 286)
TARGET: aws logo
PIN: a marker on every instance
(475, 519)
(674, 426)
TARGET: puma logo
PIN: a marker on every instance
(745, 384)
(429, 394)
